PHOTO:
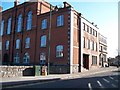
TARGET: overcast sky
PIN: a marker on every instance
(103, 13)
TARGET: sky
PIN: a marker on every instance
(104, 13)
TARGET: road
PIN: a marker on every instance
(102, 80)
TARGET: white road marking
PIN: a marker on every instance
(16, 86)
(100, 84)
(106, 80)
(111, 77)
(89, 85)
(113, 85)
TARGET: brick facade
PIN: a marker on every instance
(69, 35)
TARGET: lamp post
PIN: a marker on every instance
(49, 34)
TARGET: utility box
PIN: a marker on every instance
(37, 70)
(44, 70)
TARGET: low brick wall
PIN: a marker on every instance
(12, 71)
(59, 69)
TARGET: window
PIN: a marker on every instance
(27, 42)
(104, 48)
(17, 43)
(87, 28)
(96, 34)
(60, 20)
(94, 60)
(16, 58)
(42, 58)
(7, 45)
(44, 24)
(104, 57)
(83, 42)
(2, 28)
(29, 20)
(96, 46)
(0, 45)
(43, 41)
(88, 43)
(9, 26)
(92, 45)
(19, 23)
(59, 51)
(26, 58)
(83, 26)
(90, 30)
(93, 32)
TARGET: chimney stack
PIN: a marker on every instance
(16, 2)
(92, 23)
(66, 4)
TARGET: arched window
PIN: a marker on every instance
(44, 23)
(27, 42)
(26, 58)
(19, 23)
(17, 43)
(9, 26)
(43, 41)
(16, 58)
(2, 28)
(59, 51)
(7, 43)
(42, 58)
(29, 20)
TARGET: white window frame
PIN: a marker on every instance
(93, 47)
(44, 24)
(60, 20)
(88, 43)
(29, 20)
(94, 58)
(7, 44)
(16, 58)
(26, 58)
(27, 42)
(19, 23)
(9, 25)
(42, 58)
(18, 44)
(59, 51)
(43, 41)
(83, 42)
(2, 28)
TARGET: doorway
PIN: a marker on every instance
(86, 61)
(6, 58)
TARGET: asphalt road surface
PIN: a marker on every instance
(102, 80)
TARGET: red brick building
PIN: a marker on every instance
(34, 34)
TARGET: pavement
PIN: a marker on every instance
(9, 81)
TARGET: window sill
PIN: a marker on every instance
(42, 46)
(60, 26)
(94, 64)
(27, 48)
(43, 29)
(59, 57)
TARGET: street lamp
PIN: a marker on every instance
(49, 40)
